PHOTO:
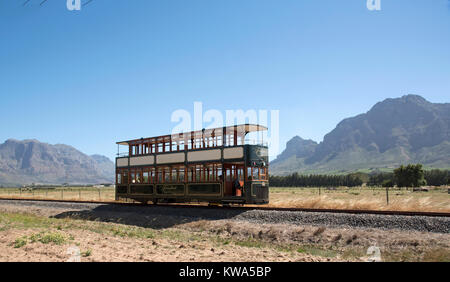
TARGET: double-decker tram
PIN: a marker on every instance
(211, 165)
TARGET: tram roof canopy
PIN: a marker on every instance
(242, 129)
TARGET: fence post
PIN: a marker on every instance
(319, 191)
(62, 194)
(99, 198)
(79, 194)
(387, 195)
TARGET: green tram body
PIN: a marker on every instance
(205, 174)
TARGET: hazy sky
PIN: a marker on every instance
(117, 69)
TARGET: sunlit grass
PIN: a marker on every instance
(359, 198)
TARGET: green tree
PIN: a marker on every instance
(411, 175)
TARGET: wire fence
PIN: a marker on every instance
(61, 193)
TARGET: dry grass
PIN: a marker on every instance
(359, 198)
(106, 194)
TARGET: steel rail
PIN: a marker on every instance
(245, 208)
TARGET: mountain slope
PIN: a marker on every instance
(394, 131)
(27, 161)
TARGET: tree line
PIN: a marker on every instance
(315, 180)
(412, 175)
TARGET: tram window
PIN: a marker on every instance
(152, 175)
(255, 173)
(210, 173)
(219, 173)
(159, 177)
(145, 177)
(125, 177)
(181, 145)
(174, 175)
(240, 172)
(198, 173)
(138, 176)
(190, 174)
(197, 143)
(181, 175)
(189, 144)
(209, 142)
(133, 177)
(119, 178)
(249, 173)
(263, 173)
(166, 174)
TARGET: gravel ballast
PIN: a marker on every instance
(165, 216)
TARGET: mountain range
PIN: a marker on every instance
(395, 131)
(31, 161)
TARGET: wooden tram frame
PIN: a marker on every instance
(196, 166)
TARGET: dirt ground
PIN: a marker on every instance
(30, 234)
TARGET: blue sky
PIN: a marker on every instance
(117, 69)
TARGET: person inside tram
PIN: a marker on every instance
(236, 185)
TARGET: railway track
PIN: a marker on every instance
(247, 208)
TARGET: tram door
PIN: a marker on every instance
(233, 172)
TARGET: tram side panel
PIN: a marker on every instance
(253, 191)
